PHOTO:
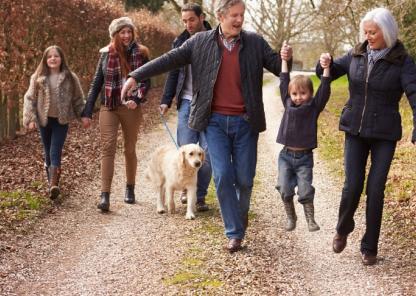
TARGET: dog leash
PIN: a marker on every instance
(167, 128)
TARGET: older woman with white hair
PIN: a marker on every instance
(379, 71)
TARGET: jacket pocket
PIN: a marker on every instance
(388, 123)
(346, 117)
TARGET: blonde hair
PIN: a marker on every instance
(301, 82)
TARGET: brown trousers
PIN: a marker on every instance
(110, 121)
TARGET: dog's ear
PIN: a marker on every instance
(182, 156)
(202, 156)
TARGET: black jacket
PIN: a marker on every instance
(204, 53)
(372, 109)
(97, 83)
(176, 78)
(300, 123)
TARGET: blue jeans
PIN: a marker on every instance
(356, 151)
(53, 137)
(295, 169)
(233, 148)
(186, 135)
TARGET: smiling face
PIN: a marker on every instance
(374, 35)
(232, 20)
(299, 95)
(54, 60)
(125, 35)
(193, 23)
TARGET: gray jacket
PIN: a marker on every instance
(204, 54)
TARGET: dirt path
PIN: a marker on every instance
(134, 251)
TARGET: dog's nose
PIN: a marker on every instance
(197, 164)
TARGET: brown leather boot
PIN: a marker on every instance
(54, 175)
(291, 215)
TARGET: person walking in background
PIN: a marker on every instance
(227, 104)
(122, 55)
(379, 71)
(53, 99)
(179, 85)
(298, 134)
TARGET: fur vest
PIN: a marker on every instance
(37, 99)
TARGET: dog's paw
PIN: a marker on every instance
(161, 211)
(190, 216)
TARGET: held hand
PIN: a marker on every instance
(128, 87)
(286, 51)
(32, 126)
(325, 60)
(163, 108)
(130, 104)
(86, 122)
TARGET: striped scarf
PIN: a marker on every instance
(374, 55)
(113, 79)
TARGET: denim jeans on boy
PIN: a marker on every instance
(295, 169)
(233, 149)
(356, 151)
(186, 135)
(53, 137)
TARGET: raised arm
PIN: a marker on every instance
(338, 67)
(324, 91)
(408, 80)
(171, 60)
(284, 75)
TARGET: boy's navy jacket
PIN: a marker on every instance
(299, 123)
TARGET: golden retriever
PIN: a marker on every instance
(173, 169)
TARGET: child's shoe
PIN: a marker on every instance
(291, 215)
(309, 214)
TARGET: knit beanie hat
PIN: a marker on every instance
(119, 23)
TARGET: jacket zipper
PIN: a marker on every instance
(365, 94)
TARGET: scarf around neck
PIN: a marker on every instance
(113, 77)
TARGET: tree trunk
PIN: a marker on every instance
(3, 117)
(12, 109)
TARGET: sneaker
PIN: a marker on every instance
(201, 206)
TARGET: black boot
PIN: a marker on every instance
(129, 196)
(291, 215)
(104, 204)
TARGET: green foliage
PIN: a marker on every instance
(19, 205)
(152, 5)
(407, 29)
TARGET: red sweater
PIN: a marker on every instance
(228, 98)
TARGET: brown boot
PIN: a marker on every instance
(310, 216)
(54, 175)
(291, 215)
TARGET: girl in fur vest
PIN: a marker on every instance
(53, 99)
(120, 57)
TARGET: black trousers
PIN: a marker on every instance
(356, 152)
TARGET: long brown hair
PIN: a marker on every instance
(121, 50)
(43, 69)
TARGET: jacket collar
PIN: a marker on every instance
(396, 55)
(215, 34)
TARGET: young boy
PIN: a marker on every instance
(298, 134)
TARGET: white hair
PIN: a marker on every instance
(385, 21)
(224, 5)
